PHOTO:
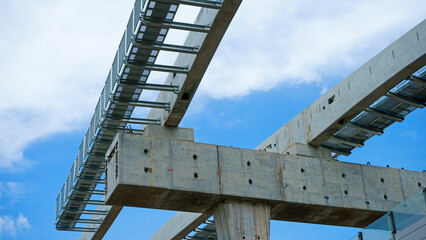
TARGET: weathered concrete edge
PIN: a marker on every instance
(180, 225)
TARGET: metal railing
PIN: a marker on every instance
(102, 108)
(396, 220)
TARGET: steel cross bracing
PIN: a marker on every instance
(142, 40)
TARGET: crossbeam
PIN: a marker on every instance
(166, 47)
(407, 100)
(418, 80)
(152, 86)
(176, 25)
(367, 129)
(159, 68)
(196, 3)
(181, 175)
(138, 103)
(393, 117)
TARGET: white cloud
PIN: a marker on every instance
(54, 59)
(7, 225)
(13, 190)
(22, 222)
(55, 55)
(12, 226)
(276, 42)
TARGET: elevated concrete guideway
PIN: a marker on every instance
(333, 121)
(182, 175)
(196, 53)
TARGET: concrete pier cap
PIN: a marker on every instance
(181, 175)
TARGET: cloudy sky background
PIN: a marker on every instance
(276, 58)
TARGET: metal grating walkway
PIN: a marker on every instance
(206, 231)
(407, 96)
(143, 39)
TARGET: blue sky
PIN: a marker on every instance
(276, 58)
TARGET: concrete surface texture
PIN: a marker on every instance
(182, 175)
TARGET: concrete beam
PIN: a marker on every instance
(180, 225)
(106, 224)
(185, 176)
(354, 94)
(208, 43)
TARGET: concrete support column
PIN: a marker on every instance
(237, 220)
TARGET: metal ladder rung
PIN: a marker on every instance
(92, 212)
(209, 222)
(134, 120)
(82, 192)
(389, 116)
(85, 211)
(100, 146)
(89, 221)
(77, 229)
(204, 230)
(166, 47)
(157, 68)
(176, 25)
(91, 202)
(148, 104)
(103, 142)
(151, 86)
(196, 3)
(418, 80)
(346, 141)
(410, 101)
(93, 170)
(95, 158)
(193, 238)
(83, 180)
(371, 130)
